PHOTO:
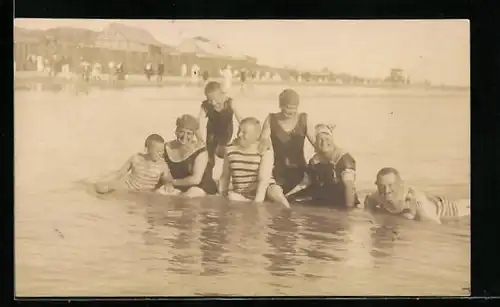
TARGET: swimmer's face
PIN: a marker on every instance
(389, 186)
(216, 96)
(248, 134)
(324, 143)
(155, 150)
(289, 110)
(184, 136)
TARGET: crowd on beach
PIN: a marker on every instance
(265, 162)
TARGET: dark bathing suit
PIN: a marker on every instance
(184, 168)
(219, 128)
(289, 162)
(326, 187)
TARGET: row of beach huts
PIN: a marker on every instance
(136, 47)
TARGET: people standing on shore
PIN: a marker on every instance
(206, 76)
(243, 79)
(148, 71)
(187, 159)
(120, 72)
(227, 75)
(217, 114)
(249, 167)
(97, 71)
(112, 71)
(195, 74)
(160, 72)
(286, 132)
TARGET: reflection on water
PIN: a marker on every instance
(69, 242)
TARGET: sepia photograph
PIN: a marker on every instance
(241, 157)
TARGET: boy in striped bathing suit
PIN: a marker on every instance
(146, 171)
(394, 197)
(248, 166)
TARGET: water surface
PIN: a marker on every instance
(70, 242)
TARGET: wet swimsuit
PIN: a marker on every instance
(289, 162)
(219, 129)
(326, 187)
(244, 168)
(184, 168)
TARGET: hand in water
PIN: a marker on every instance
(102, 188)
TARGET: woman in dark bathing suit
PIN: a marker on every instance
(187, 159)
(287, 131)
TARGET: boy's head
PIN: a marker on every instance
(249, 131)
(289, 102)
(214, 92)
(187, 125)
(324, 142)
(155, 146)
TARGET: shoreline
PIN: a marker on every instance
(25, 79)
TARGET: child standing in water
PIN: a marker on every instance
(248, 165)
(146, 171)
(218, 112)
(287, 131)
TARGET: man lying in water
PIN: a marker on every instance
(394, 197)
(331, 174)
(249, 166)
(146, 171)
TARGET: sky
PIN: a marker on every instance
(437, 50)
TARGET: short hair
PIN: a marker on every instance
(386, 171)
(250, 120)
(153, 138)
(212, 86)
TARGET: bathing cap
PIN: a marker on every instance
(188, 122)
(325, 129)
(289, 98)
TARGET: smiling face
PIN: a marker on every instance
(324, 143)
(390, 187)
(184, 136)
(248, 134)
(289, 110)
(216, 96)
(155, 150)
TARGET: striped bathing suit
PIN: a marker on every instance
(244, 171)
(445, 207)
(145, 174)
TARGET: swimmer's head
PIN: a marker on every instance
(155, 146)
(289, 102)
(249, 131)
(324, 138)
(389, 184)
(214, 92)
(186, 127)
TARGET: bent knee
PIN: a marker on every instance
(274, 190)
(193, 192)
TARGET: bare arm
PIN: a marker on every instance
(348, 178)
(225, 177)
(311, 132)
(265, 173)
(202, 120)
(116, 175)
(236, 113)
(200, 164)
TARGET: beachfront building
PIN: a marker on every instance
(396, 76)
(134, 47)
(26, 49)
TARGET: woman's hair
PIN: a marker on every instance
(153, 138)
(187, 121)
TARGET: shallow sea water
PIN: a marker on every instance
(70, 242)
